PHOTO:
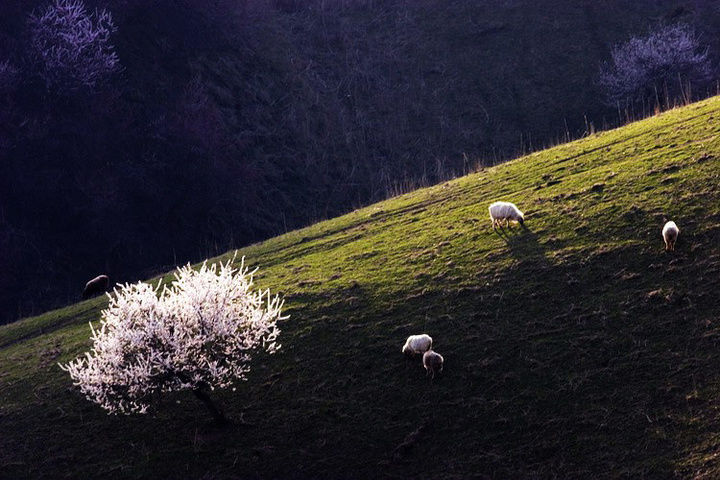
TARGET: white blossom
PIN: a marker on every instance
(199, 332)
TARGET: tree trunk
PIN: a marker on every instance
(216, 412)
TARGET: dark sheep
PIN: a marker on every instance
(433, 363)
(96, 286)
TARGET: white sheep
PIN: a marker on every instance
(417, 344)
(507, 211)
(670, 233)
(433, 362)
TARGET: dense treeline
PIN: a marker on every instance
(232, 121)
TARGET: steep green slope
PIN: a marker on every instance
(576, 349)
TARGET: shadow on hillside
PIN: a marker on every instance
(559, 366)
(523, 243)
(612, 375)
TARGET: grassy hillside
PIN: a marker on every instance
(576, 349)
(238, 120)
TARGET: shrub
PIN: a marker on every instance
(658, 62)
(9, 76)
(198, 335)
(71, 48)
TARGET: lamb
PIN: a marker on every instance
(417, 344)
(433, 362)
(670, 233)
(507, 211)
(96, 286)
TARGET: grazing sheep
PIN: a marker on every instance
(96, 286)
(417, 344)
(433, 362)
(670, 233)
(507, 211)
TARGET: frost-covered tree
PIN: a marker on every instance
(662, 61)
(198, 334)
(70, 48)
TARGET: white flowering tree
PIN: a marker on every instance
(660, 60)
(70, 47)
(199, 333)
